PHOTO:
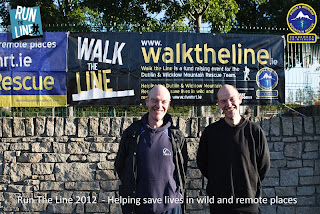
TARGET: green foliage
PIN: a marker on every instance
(270, 13)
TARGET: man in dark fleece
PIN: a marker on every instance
(234, 155)
(151, 161)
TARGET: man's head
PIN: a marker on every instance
(229, 101)
(158, 103)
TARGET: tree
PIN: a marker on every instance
(270, 13)
(139, 13)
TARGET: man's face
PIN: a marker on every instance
(229, 101)
(158, 103)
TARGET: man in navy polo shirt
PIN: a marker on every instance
(151, 161)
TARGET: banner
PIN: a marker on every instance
(25, 22)
(33, 71)
(120, 68)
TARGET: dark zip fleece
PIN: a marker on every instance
(155, 168)
(235, 160)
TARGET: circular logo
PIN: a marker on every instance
(267, 78)
(301, 19)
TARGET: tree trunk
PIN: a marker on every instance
(198, 23)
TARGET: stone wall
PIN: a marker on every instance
(55, 165)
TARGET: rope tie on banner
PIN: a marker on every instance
(294, 110)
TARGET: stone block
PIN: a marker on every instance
(93, 126)
(55, 158)
(204, 122)
(194, 127)
(61, 208)
(126, 123)
(30, 157)
(279, 163)
(278, 146)
(19, 128)
(83, 126)
(41, 147)
(106, 165)
(265, 125)
(311, 146)
(115, 209)
(195, 184)
(289, 139)
(286, 210)
(7, 127)
(112, 147)
(105, 175)
(59, 126)
(110, 185)
(294, 163)
(50, 126)
(78, 148)
(9, 156)
(287, 126)
(193, 173)
(183, 126)
(59, 148)
(51, 185)
(70, 127)
(273, 173)
(40, 126)
(293, 150)
(75, 171)
(19, 146)
(297, 125)
(276, 156)
(308, 210)
(268, 210)
(310, 155)
(309, 180)
(306, 171)
(285, 191)
(97, 208)
(36, 206)
(308, 163)
(306, 190)
(42, 168)
(306, 200)
(317, 122)
(115, 126)
(96, 157)
(104, 126)
(20, 171)
(268, 192)
(192, 148)
(83, 186)
(275, 126)
(289, 177)
(308, 125)
(317, 167)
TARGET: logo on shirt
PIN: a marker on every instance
(166, 152)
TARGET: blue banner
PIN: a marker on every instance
(33, 71)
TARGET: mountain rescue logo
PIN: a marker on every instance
(166, 152)
(301, 20)
(267, 79)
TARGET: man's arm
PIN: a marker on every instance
(121, 155)
(263, 158)
(202, 154)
